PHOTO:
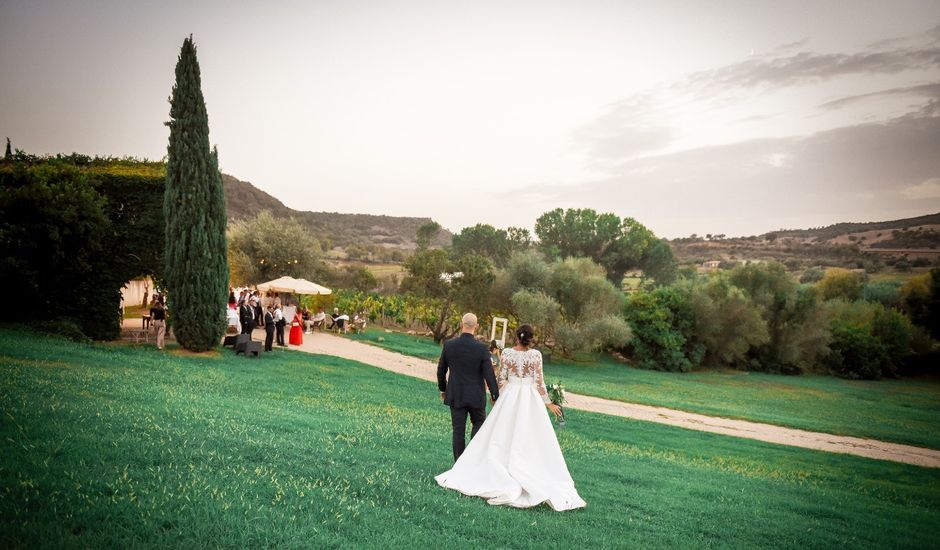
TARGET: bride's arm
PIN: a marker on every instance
(503, 375)
(540, 379)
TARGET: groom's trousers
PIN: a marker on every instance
(458, 416)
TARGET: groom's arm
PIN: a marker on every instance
(488, 375)
(442, 374)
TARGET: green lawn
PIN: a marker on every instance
(904, 411)
(123, 446)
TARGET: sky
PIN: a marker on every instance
(736, 117)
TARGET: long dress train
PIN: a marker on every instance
(515, 459)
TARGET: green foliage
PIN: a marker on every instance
(886, 293)
(448, 286)
(617, 245)
(61, 328)
(563, 299)
(427, 233)
(537, 308)
(727, 323)
(663, 325)
(605, 331)
(812, 275)
(197, 273)
(73, 231)
(357, 277)
(796, 322)
(659, 263)
(840, 283)
(869, 341)
(264, 248)
(8, 154)
(920, 298)
(528, 270)
(497, 245)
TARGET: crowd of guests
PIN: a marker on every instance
(249, 309)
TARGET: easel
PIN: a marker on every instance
(501, 341)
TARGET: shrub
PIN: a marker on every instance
(886, 293)
(855, 353)
(812, 275)
(868, 340)
(920, 299)
(797, 326)
(63, 328)
(726, 321)
(662, 324)
(840, 283)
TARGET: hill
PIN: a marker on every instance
(333, 229)
(868, 245)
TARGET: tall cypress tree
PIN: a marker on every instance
(194, 205)
(9, 152)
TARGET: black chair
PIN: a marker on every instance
(230, 340)
(244, 344)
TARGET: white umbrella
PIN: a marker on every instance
(314, 288)
(296, 286)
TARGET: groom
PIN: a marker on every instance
(469, 365)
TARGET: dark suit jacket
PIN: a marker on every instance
(469, 364)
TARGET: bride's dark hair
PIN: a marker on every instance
(524, 335)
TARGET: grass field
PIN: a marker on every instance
(904, 411)
(125, 446)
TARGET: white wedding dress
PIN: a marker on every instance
(515, 459)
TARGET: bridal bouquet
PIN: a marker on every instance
(556, 392)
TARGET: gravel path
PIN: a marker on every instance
(328, 344)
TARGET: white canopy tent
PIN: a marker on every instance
(296, 286)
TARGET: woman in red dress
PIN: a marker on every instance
(297, 330)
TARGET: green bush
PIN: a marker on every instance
(855, 353)
(662, 324)
(63, 328)
(840, 283)
(73, 231)
(727, 322)
(869, 340)
(812, 275)
(886, 293)
(796, 323)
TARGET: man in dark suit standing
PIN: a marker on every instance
(269, 328)
(469, 364)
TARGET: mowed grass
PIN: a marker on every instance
(902, 411)
(121, 446)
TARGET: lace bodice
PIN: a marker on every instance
(523, 364)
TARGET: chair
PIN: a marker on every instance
(244, 344)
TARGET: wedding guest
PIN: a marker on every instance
(296, 329)
(246, 314)
(259, 313)
(494, 356)
(158, 318)
(319, 320)
(308, 320)
(279, 323)
(269, 328)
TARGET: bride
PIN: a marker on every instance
(515, 459)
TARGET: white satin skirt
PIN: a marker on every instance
(515, 460)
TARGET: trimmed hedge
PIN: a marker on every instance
(73, 231)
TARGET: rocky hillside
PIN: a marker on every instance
(244, 200)
(855, 245)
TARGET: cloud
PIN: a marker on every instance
(927, 189)
(629, 128)
(862, 172)
(804, 67)
(931, 90)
